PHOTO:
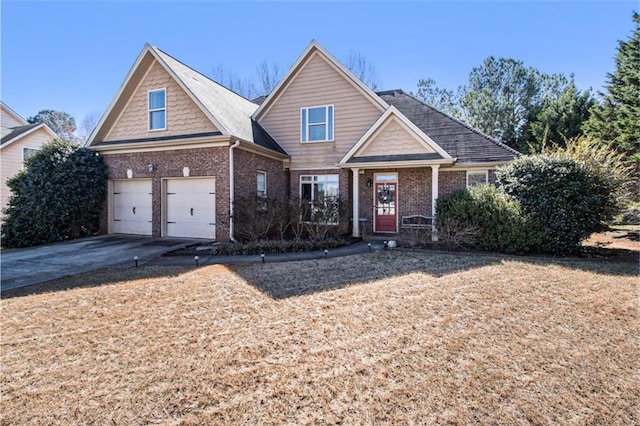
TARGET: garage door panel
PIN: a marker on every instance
(190, 208)
(132, 211)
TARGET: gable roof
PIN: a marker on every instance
(431, 150)
(457, 138)
(20, 132)
(228, 111)
(12, 113)
(312, 49)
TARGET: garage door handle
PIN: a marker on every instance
(134, 210)
(191, 211)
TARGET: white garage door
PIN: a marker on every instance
(131, 207)
(191, 208)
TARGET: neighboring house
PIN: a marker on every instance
(19, 140)
(180, 148)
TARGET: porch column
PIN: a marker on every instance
(356, 207)
(434, 198)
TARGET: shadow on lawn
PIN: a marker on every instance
(284, 280)
(97, 278)
(281, 281)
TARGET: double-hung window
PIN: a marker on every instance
(477, 177)
(157, 109)
(319, 198)
(316, 124)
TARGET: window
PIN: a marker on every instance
(157, 110)
(319, 198)
(477, 177)
(261, 180)
(27, 153)
(316, 124)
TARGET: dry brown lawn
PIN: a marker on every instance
(386, 338)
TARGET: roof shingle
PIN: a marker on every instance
(458, 139)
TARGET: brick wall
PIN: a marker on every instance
(201, 162)
(451, 181)
(247, 164)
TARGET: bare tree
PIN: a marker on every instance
(269, 75)
(362, 68)
(231, 80)
(88, 123)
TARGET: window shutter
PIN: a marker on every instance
(330, 123)
(303, 124)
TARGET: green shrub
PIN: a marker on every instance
(567, 197)
(488, 217)
(57, 196)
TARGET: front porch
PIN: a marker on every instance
(386, 200)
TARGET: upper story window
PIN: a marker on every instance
(27, 153)
(261, 183)
(157, 109)
(316, 124)
(477, 177)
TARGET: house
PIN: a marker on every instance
(180, 148)
(19, 140)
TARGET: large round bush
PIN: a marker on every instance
(57, 196)
(568, 198)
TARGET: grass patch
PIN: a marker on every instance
(390, 337)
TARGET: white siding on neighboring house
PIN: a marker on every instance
(11, 159)
(318, 83)
(8, 120)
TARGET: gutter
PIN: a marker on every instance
(232, 190)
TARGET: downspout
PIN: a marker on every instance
(232, 190)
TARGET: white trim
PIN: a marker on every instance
(260, 150)
(375, 201)
(380, 124)
(28, 132)
(355, 224)
(478, 166)
(315, 48)
(397, 164)
(150, 110)
(130, 147)
(486, 175)
(305, 110)
(434, 199)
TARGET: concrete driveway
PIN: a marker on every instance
(23, 267)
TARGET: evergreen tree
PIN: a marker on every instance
(617, 119)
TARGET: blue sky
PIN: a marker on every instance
(72, 56)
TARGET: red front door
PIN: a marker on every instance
(386, 211)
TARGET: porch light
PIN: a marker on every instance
(151, 167)
(129, 173)
(369, 183)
